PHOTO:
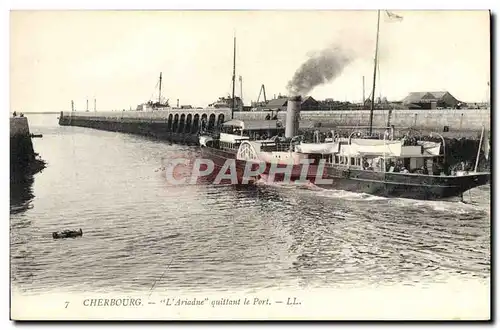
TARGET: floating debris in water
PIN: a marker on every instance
(67, 234)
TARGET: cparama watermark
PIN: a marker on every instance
(184, 171)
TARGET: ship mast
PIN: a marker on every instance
(159, 91)
(374, 74)
(364, 100)
(234, 75)
(241, 89)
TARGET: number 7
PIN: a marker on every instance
(67, 303)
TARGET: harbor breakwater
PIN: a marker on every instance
(176, 125)
(23, 159)
(460, 128)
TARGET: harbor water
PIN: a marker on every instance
(142, 233)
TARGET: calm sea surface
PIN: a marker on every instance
(138, 229)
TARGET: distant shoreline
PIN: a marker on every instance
(39, 113)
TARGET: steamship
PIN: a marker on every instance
(362, 163)
(384, 167)
(158, 105)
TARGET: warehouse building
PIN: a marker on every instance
(431, 100)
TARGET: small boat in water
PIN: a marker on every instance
(67, 234)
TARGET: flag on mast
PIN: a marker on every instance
(391, 17)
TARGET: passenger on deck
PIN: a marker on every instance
(399, 166)
(322, 137)
(388, 167)
(365, 164)
(370, 165)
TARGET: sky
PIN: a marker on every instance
(116, 56)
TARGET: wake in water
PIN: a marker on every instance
(475, 200)
(348, 195)
(264, 181)
(450, 206)
(453, 205)
(309, 186)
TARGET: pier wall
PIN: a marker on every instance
(19, 126)
(455, 119)
(21, 146)
(188, 121)
(22, 155)
(177, 125)
(183, 125)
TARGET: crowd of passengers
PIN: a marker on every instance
(399, 167)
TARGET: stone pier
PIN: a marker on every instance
(176, 125)
(460, 127)
(23, 158)
(179, 124)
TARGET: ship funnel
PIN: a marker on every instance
(292, 116)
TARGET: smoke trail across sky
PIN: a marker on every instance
(321, 67)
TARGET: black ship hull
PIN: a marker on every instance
(412, 186)
(385, 184)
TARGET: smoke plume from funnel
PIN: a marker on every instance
(320, 68)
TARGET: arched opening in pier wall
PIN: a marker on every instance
(169, 123)
(175, 125)
(196, 124)
(181, 123)
(211, 122)
(204, 121)
(188, 123)
(220, 119)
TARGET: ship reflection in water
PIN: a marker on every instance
(21, 193)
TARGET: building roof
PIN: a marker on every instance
(308, 98)
(416, 97)
(276, 103)
(282, 102)
(438, 95)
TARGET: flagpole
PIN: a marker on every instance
(234, 75)
(479, 149)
